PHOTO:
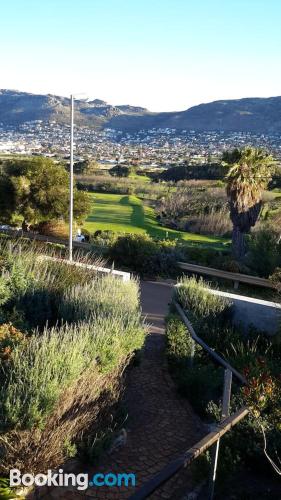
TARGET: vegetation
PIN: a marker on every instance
(210, 171)
(147, 256)
(266, 243)
(37, 189)
(120, 171)
(67, 334)
(254, 354)
(128, 214)
(199, 207)
(196, 297)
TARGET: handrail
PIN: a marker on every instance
(182, 461)
(236, 277)
(205, 346)
(212, 437)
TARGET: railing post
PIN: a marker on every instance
(225, 413)
(192, 352)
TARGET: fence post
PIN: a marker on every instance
(225, 413)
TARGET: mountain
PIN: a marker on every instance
(255, 114)
(19, 107)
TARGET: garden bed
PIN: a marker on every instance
(253, 354)
(66, 336)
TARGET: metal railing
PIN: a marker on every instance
(212, 438)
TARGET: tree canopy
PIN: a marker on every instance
(120, 171)
(38, 189)
(210, 171)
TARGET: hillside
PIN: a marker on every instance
(19, 107)
(261, 115)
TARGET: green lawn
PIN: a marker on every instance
(127, 214)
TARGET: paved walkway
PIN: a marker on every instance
(161, 425)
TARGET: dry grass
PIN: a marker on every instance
(81, 407)
(217, 223)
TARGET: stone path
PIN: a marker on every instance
(161, 425)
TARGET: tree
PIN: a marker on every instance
(249, 174)
(119, 171)
(85, 167)
(38, 190)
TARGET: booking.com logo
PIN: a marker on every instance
(81, 481)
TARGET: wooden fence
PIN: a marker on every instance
(226, 275)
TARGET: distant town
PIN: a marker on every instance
(157, 147)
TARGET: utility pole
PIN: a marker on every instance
(71, 177)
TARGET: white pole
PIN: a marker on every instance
(71, 178)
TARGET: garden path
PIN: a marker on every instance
(161, 424)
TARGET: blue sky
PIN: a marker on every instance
(161, 54)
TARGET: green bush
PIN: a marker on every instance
(195, 380)
(81, 331)
(255, 355)
(51, 361)
(134, 251)
(264, 252)
(104, 238)
(145, 255)
(199, 384)
(196, 296)
(10, 337)
(104, 295)
(180, 345)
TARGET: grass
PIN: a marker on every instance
(128, 214)
(142, 178)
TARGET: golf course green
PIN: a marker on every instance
(128, 214)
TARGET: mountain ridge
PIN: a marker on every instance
(250, 114)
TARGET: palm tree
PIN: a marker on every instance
(249, 174)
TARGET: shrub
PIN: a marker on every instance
(57, 247)
(197, 381)
(13, 281)
(265, 251)
(105, 296)
(180, 345)
(196, 297)
(50, 362)
(145, 255)
(104, 238)
(56, 228)
(10, 337)
(57, 383)
(255, 355)
(205, 256)
(217, 223)
(134, 251)
(275, 278)
(200, 384)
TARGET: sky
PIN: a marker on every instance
(160, 54)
